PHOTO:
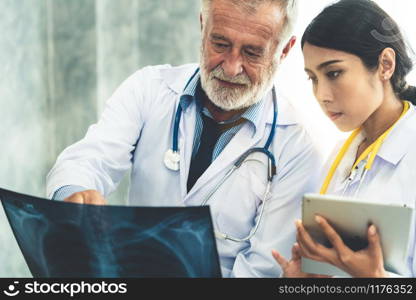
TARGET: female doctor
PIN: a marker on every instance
(356, 58)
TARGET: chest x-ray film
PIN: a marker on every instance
(61, 239)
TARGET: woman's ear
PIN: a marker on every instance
(387, 64)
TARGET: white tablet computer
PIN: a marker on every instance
(351, 217)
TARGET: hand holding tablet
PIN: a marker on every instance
(351, 219)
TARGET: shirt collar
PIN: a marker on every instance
(192, 91)
(400, 138)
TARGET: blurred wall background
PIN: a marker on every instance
(61, 59)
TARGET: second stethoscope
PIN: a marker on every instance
(172, 158)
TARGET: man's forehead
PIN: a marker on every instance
(260, 24)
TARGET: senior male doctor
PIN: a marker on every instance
(182, 129)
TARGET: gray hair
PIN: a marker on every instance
(289, 7)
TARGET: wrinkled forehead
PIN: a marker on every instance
(265, 21)
(248, 6)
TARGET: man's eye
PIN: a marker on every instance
(333, 74)
(252, 55)
(220, 45)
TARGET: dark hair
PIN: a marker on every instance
(362, 28)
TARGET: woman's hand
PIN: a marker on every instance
(363, 263)
(292, 268)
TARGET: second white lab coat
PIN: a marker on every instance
(135, 130)
(391, 179)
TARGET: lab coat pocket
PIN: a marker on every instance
(241, 200)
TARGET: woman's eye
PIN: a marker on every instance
(333, 74)
(313, 79)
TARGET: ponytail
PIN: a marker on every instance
(409, 94)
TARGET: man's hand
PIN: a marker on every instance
(87, 197)
(292, 268)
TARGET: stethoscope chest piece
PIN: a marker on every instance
(171, 160)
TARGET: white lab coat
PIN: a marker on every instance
(391, 178)
(142, 111)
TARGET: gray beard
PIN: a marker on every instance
(229, 99)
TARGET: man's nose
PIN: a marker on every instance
(233, 64)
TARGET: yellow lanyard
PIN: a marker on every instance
(371, 151)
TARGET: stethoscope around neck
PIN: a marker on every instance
(364, 163)
(172, 162)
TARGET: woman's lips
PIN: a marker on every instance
(334, 115)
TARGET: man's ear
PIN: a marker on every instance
(288, 47)
(387, 64)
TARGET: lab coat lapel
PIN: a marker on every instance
(186, 140)
(176, 79)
